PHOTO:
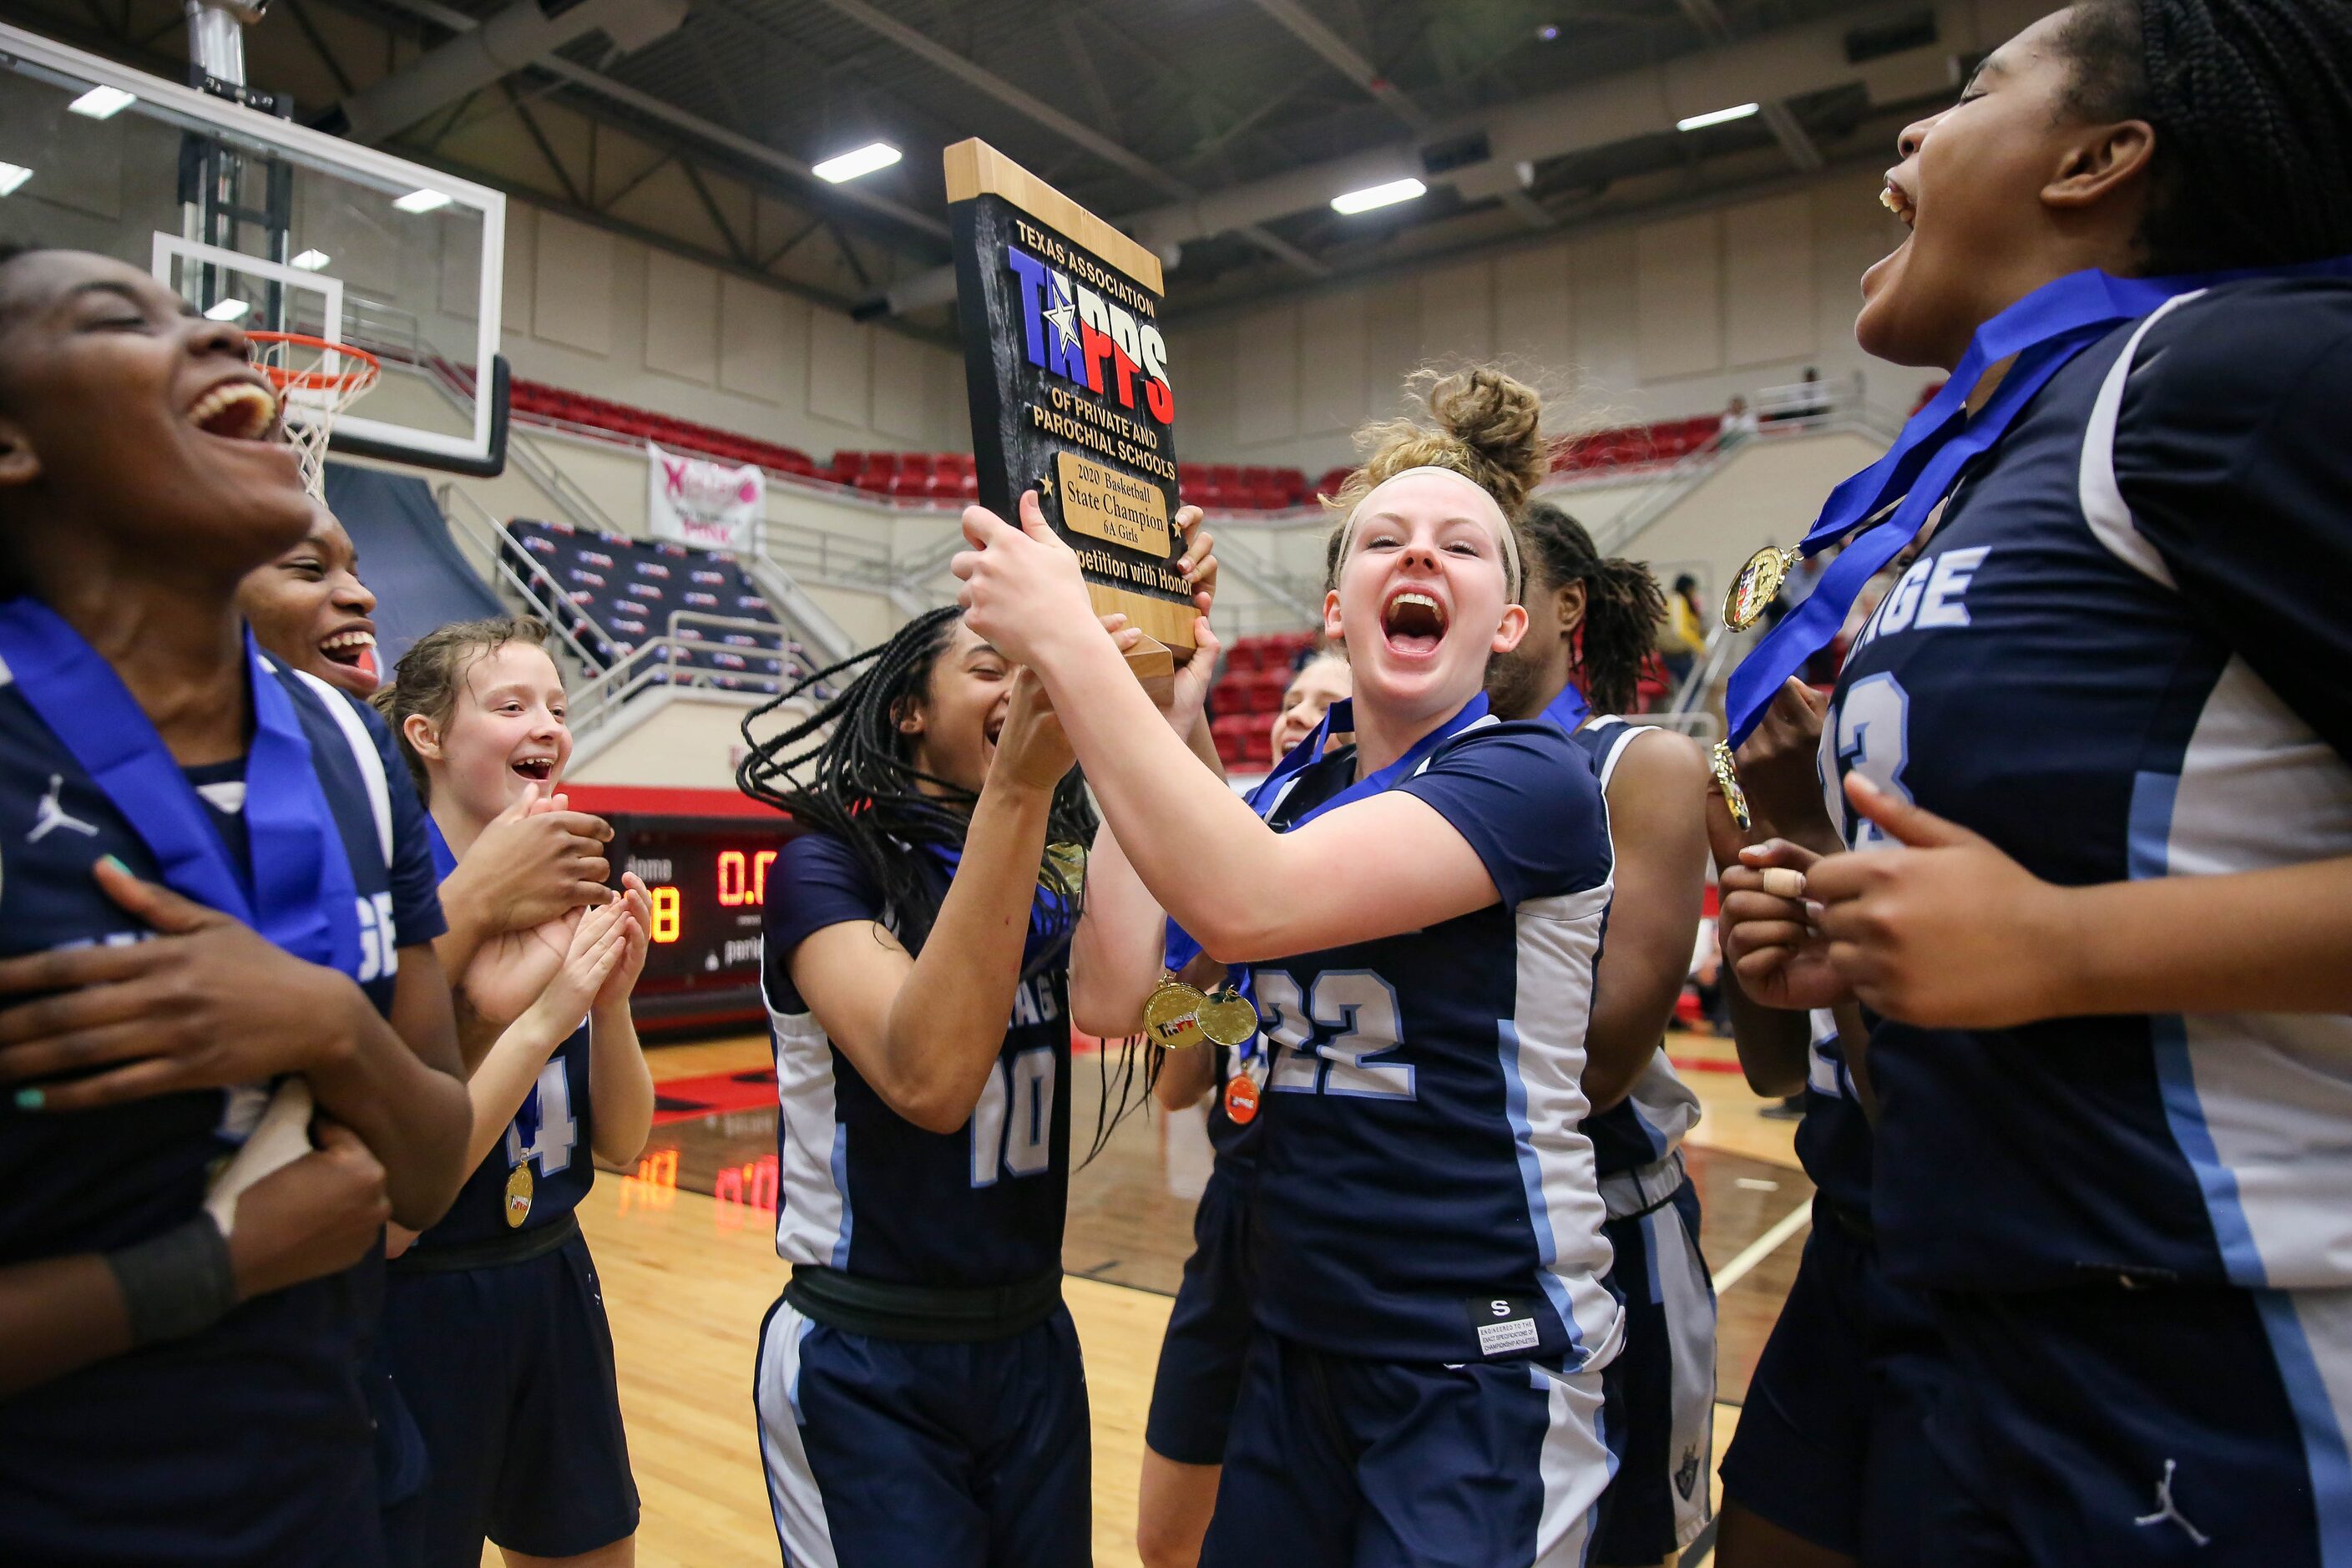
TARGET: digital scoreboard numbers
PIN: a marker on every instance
(1067, 370)
(707, 878)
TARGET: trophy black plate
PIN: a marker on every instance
(1067, 370)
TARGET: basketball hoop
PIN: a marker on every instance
(316, 381)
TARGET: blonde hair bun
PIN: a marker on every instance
(1489, 430)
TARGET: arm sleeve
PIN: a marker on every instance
(415, 884)
(815, 882)
(1527, 801)
(2232, 455)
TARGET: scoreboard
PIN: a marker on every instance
(709, 879)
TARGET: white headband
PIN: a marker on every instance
(1510, 538)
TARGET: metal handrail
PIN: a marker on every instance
(540, 592)
(820, 553)
(657, 663)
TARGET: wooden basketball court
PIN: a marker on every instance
(686, 1251)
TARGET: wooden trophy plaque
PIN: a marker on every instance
(1070, 395)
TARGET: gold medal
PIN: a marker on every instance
(1069, 859)
(519, 1187)
(1758, 585)
(1727, 779)
(1170, 1015)
(1228, 1017)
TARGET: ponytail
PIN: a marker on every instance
(1623, 604)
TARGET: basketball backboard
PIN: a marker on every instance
(272, 224)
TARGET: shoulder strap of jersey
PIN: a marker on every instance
(1612, 735)
(340, 708)
(2101, 499)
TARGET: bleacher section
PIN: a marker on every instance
(537, 402)
(619, 594)
(1245, 699)
(948, 478)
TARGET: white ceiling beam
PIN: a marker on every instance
(1078, 133)
(694, 125)
(1646, 101)
(1344, 60)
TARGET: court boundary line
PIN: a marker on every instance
(1763, 1246)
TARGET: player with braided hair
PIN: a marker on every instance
(919, 1387)
(2116, 662)
(1591, 622)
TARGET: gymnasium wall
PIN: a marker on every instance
(602, 313)
(1636, 322)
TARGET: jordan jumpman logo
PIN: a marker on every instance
(50, 814)
(2166, 1509)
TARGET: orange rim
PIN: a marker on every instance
(286, 379)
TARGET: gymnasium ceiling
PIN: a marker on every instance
(1218, 128)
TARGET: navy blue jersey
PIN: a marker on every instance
(233, 1443)
(1833, 1139)
(1649, 1123)
(553, 1131)
(862, 1189)
(1421, 1162)
(2123, 654)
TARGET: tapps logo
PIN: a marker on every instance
(1077, 334)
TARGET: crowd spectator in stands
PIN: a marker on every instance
(1682, 636)
(1737, 424)
(1813, 400)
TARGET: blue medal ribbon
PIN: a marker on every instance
(1339, 718)
(303, 897)
(1569, 710)
(2044, 330)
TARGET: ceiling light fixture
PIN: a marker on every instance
(864, 160)
(102, 102)
(228, 310)
(311, 260)
(12, 176)
(1372, 196)
(1720, 117)
(423, 202)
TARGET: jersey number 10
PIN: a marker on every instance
(1012, 1125)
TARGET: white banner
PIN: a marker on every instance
(709, 505)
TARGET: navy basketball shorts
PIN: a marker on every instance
(1208, 1334)
(882, 1453)
(1832, 1443)
(2190, 1424)
(508, 1373)
(1339, 1463)
(1660, 1389)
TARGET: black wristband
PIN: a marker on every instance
(176, 1284)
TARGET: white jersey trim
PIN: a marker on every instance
(2257, 1102)
(1542, 1057)
(1577, 1463)
(813, 1221)
(2101, 498)
(1662, 1103)
(795, 1499)
(363, 745)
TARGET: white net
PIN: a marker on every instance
(316, 381)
